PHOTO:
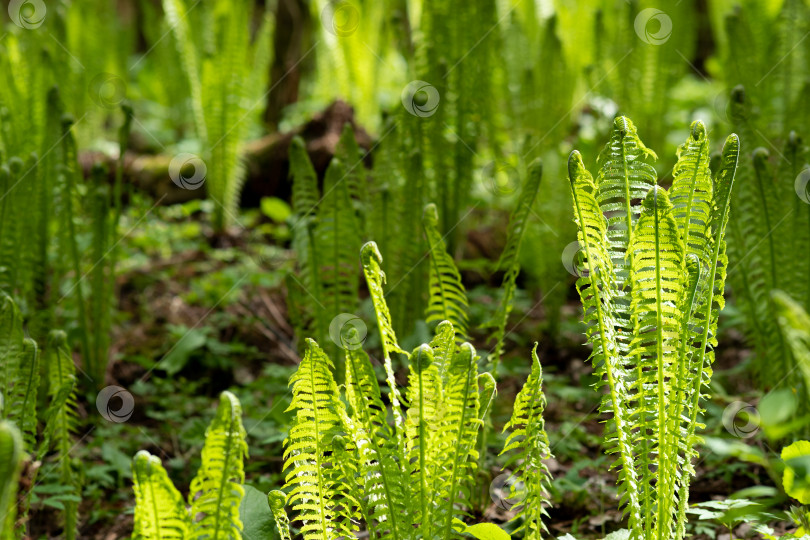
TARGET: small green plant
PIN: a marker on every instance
(215, 493)
(651, 289)
(348, 466)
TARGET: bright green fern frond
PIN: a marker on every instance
(509, 261)
(375, 279)
(625, 174)
(691, 192)
(11, 454)
(160, 513)
(379, 456)
(448, 299)
(460, 430)
(527, 444)
(657, 288)
(314, 496)
(597, 286)
(277, 500)
(304, 180)
(216, 492)
(11, 344)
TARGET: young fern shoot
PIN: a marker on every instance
(651, 285)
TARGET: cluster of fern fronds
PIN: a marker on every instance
(30, 434)
(652, 279)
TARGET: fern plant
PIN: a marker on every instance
(652, 288)
(216, 491)
(216, 71)
(11, 454)
(348, 468)
(19, 387)
(528, 447)
(794, 323)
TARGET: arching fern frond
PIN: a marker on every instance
(160, 513)
(216, 491)
(314, 495)
(795, 325)
(277, 500)
(448, 299)
(528, 448)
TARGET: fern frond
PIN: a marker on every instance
(448, 299)
(314, 494)
(381, 478)
(375, 279)
(277, 500)
(460, 428)
(160, 513)
(216, 491)
(509, 261)
(597, 287)
(61, 384)
(657, 254)
(11, 345)
(527, 444)
(11, 454)
(21, 400)
(709, 314)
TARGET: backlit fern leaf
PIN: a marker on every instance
(448, 299)
(307, 454)
(527, 444)
(379, 456)
(216, 491)
(707, 317)
(277, 499)
(371, 260)
(459, 429)
(160, 513)
(657, 254)
(596, 286)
